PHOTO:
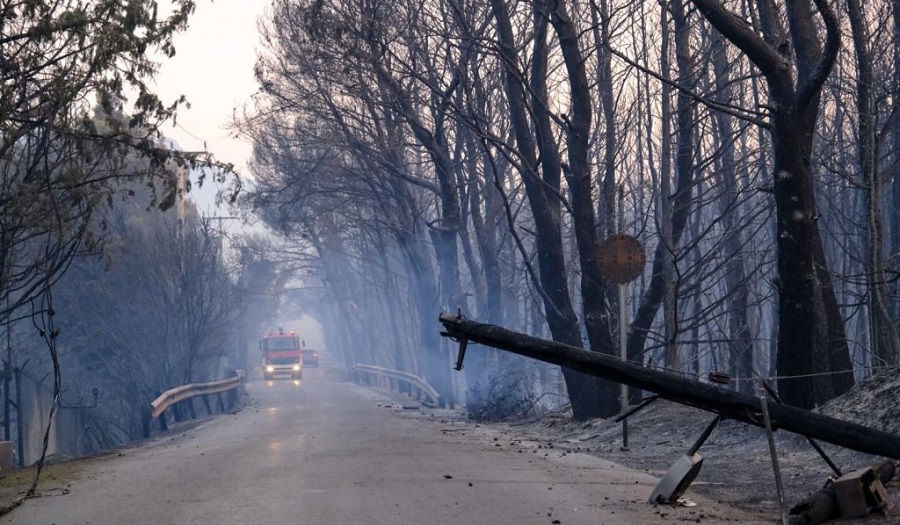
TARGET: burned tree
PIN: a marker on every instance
(812, 346)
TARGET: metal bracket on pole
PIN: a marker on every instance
(815, 445)
(643, 404)
(463, 343)
(779, 487)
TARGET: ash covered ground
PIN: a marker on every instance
(737, 467)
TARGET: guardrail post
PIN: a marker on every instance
(146, 420)
(209, 410)
(162, 421)
(220, 402)
(233, 398)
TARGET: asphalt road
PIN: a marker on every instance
(323, 452)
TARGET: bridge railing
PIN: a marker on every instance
(176, 395)
(385, 377)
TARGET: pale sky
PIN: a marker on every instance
(213, 68)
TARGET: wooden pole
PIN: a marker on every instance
(706, 396)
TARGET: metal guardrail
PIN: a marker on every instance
(415, 382)
(181, 393)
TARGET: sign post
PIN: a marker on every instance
(622, 259)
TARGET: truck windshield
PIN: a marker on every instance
(283, 360)
(281, 343)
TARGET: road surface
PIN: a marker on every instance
(323, 452)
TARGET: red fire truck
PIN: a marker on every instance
(281, 355)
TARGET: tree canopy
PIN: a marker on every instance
(457, 155)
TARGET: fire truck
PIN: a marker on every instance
(281, 354)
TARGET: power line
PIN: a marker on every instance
(182, 128)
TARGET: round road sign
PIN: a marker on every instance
(622, 258)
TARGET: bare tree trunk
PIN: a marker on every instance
(739, 335)
(675, 212)
(607, 208)
(542, 193)
(895, 148)
(883, 333)
(341, 281)
(812, 343)
(578, 177)
(488, 286)
(426, 297)
(606, 204)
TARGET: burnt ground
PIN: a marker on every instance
(737, 465)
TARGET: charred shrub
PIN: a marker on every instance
(504, 396)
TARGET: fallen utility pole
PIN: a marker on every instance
(727, 403)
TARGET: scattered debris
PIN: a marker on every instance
(853, 495)
(737, 471)
(865, 421)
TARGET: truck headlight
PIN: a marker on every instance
(270, 369)
(296, 368)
